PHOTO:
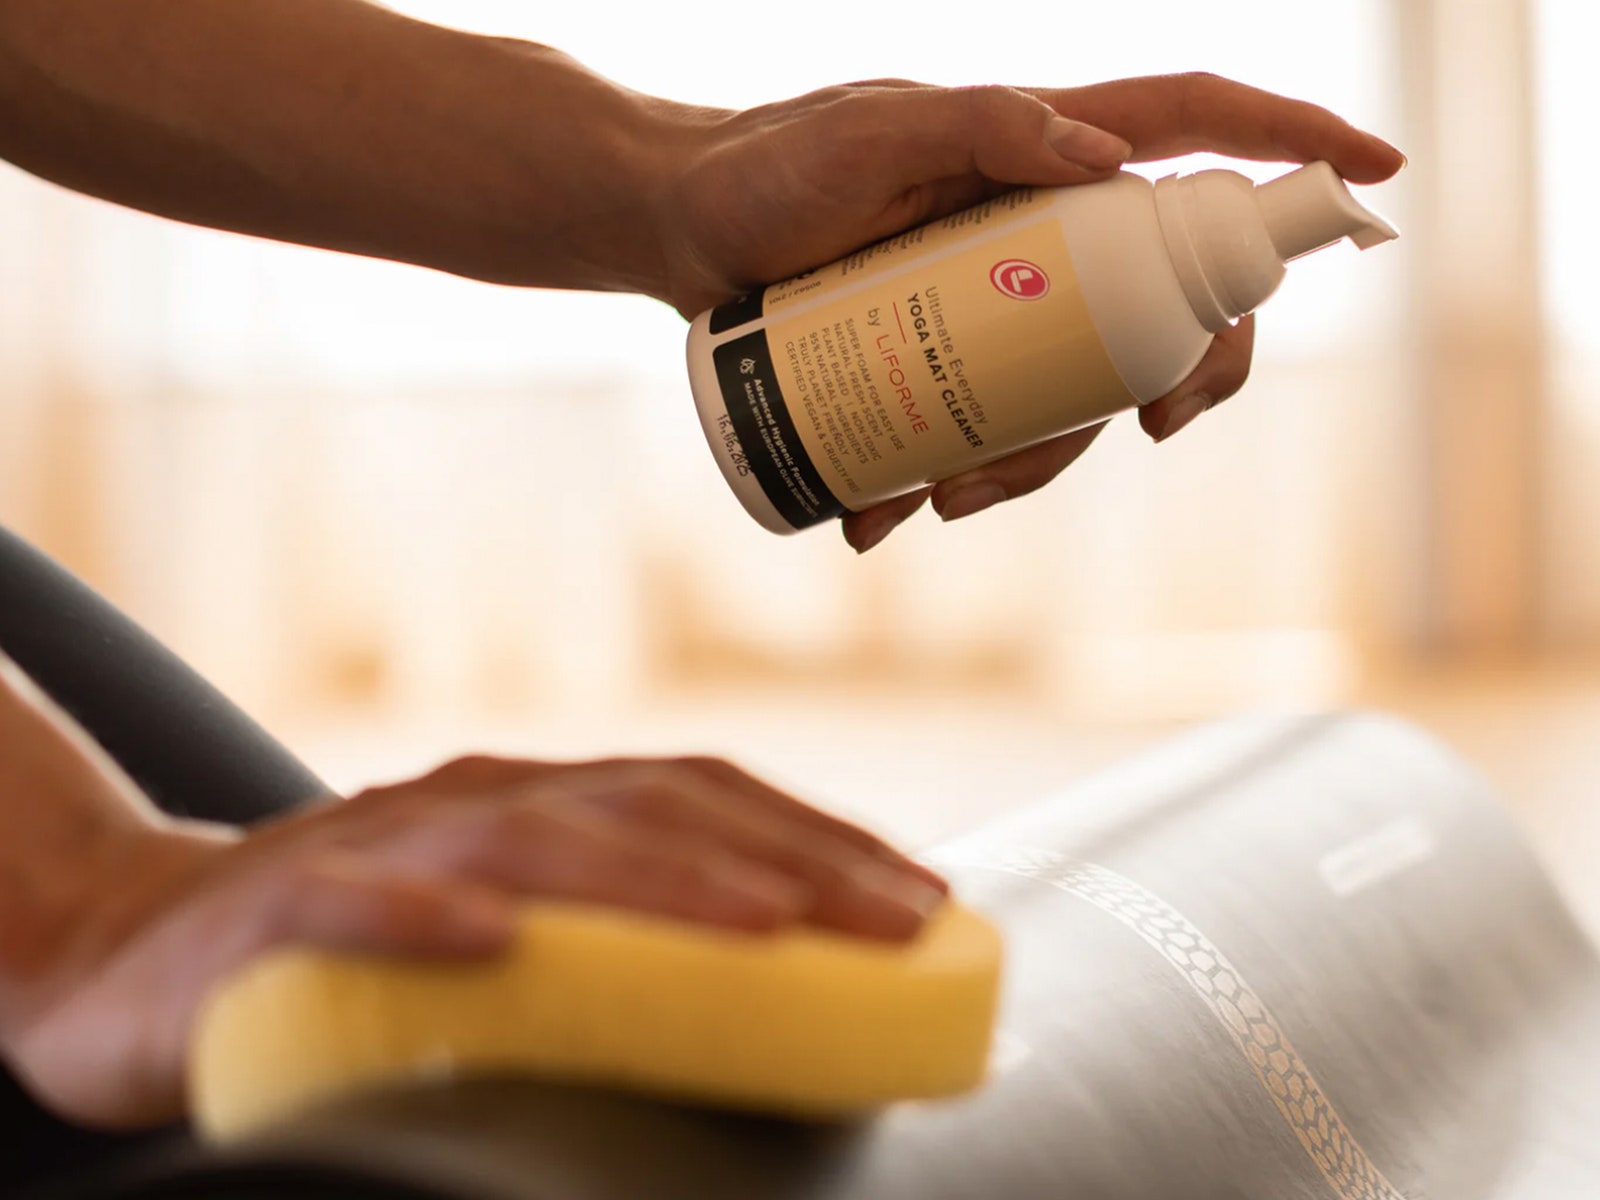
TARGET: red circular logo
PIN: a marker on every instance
(1020, 279)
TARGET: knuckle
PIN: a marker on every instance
(469, 769)
(643, 798)
(710, 765)
(855, 102)
(1200, 80)
(603, 767)
(371, 797)
(985, 100)
(886, 81)
(821, 98)
(857, 121)
(1192, 91)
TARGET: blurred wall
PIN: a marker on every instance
(340, 485)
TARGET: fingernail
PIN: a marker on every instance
(1184, 411)
(897, 889)
(923, 898)
(874, 534)
(1086, 145)
(975, 497)
(915, 870)
(1387, 145)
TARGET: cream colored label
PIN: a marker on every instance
(938, 350)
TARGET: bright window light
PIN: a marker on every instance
(1567, 33)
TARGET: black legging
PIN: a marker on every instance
(186, 745)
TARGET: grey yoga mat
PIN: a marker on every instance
(1279, 958)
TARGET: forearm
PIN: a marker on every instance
(336, 123)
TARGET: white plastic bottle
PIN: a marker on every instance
(953, 344)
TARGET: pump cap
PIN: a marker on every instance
(1310, 208)
(1228, 240)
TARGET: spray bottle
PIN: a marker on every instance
(1038, 312)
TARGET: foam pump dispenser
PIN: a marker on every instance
(1029, 315)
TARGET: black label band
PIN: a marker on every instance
(736, 312)
(767, 434)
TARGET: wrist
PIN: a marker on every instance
(672, 137)
(123, 876)
(76, 838)
(597, 179)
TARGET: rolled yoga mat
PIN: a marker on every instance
(1277, 959)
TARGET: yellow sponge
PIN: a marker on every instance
(805, 1023)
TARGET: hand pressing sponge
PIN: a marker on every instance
(802, 1023)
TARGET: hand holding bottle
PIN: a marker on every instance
(513, 163)
(777, 190)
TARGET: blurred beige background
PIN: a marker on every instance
(399, 515)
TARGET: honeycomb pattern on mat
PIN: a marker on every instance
(1256, 1032)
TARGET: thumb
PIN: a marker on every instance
(998, 133)
(948, 148)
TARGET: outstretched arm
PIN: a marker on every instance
(338, 123)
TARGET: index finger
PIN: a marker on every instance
(790, 808)
(1166, 115)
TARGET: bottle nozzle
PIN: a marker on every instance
(1228, 239)
(1311, 207)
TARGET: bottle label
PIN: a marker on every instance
(914, 359)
